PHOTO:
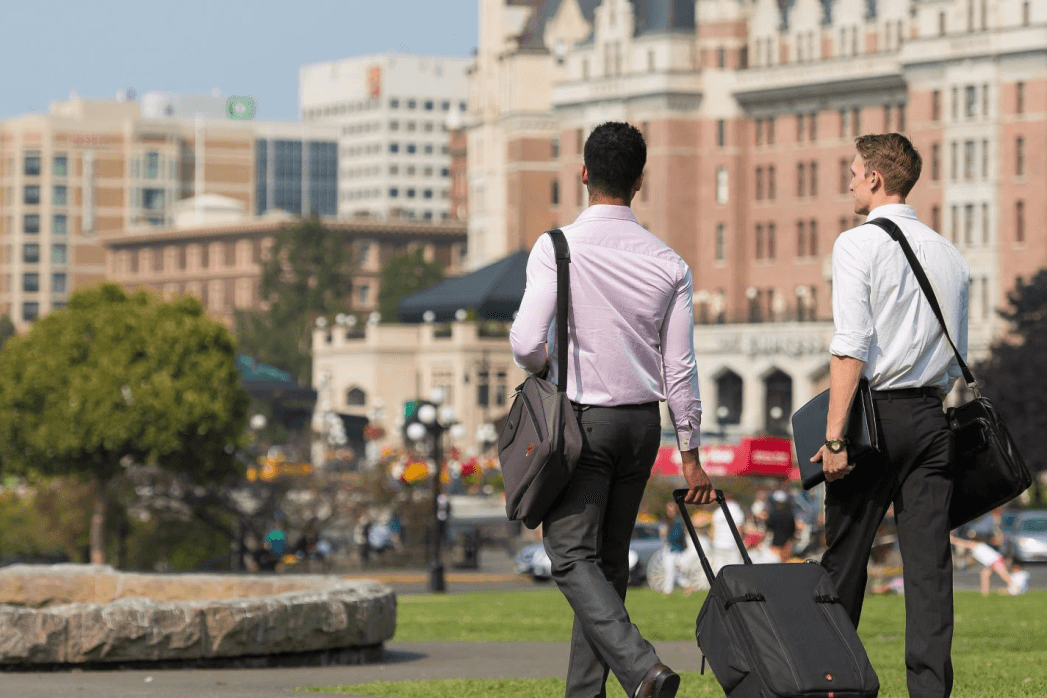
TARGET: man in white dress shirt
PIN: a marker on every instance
(631, 345)
(887, 333)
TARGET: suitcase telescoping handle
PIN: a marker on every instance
(679, 495)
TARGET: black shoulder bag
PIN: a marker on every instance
(988, 471)
(542, 440)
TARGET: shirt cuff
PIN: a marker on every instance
(689, 437)
(853, 345)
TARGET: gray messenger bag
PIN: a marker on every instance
(542, 440)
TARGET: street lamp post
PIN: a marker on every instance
(433, 423)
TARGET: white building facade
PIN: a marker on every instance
(393, 113)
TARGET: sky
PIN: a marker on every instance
(96, 47)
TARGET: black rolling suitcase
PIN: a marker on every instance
(770, 631)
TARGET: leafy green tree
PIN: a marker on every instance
(402, 276)
(1012, 377)
(115, 379)
(308, 273)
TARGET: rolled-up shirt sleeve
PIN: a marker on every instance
(852, 308)
(529, 333)
(680, 371)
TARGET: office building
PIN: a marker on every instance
(394, 114)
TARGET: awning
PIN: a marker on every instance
(753, 456)
(493, 292)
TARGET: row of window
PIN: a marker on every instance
(410, 193)
(33, 163)
(225, 257)
(31, 283)
(411, 148)
(369, 104)
(395, 170)
(59, 195)
(962, 223)
(31, 253)
(425, 104)
(970, 157)
(31, 224)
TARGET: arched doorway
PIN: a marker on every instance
(728, 398)
(778, 405)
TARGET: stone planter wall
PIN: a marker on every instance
(82, 613)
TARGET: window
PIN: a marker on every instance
(845, 175)
(843, 123)
(812, 127)
(813, 170)
(1025, 13)
(394, 192)
(759, 241)
(985, 100)
(799, 127)
(153, 199)
(1019, 98)
(941, 24)
(30, 253)
(59, 225)
(856, 121)
(394, 147)
(554, 193)
(650, 61)
(721, 133)
(770, 131)
(968, 160)
(411, 104)
(31, 282)
(759, 184)
(394, 104)
(31, 224)
(1019, 157)
(60, 167)
(60, 196)
(428, 149)
(936, 218)
(554, 149)
(410, 193)
(955, 226)
(720, 251)
(427, 194)
(394, 125)
(1019, 221)
(31, 194)
(32, 165)
(970, 98)
(770, 183)
(812, 238)
(152, 165)
(801, 239)
(721, 57)
(968, 224)
(936, 162)
(901, 118)
(771, 247)
(801, 179)
(58, 283)
(955, 103)
(411, 148)
(759, 131)
(30, 311)
(985, 159)
(936, 105)
(887, 118)
(985, 224)
(58, 254)
(721, 185)
(428, 105)
(954, 165)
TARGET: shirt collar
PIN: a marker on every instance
(624, 213)
(900, 210)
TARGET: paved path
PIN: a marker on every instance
(403, 661)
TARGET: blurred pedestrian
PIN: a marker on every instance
(991, 561)
(781, 522)
(362, 539)
(674, 551)
(725, 547)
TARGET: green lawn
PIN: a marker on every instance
(999, 648)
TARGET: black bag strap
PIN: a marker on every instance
(563, 299)
(892, 229)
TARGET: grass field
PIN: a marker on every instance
(999, 647)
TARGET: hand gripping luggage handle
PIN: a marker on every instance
(678, 496)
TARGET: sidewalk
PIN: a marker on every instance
(405, 661)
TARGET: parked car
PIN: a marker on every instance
(533, 560)
(1026, 538)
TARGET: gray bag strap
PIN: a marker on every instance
(892, 229)
(563, 296)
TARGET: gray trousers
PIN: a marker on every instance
(586, 535)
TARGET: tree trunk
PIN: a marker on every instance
(98, 524)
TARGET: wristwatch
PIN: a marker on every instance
(836, 445)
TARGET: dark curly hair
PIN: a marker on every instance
(615, 154)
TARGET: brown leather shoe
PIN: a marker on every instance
(659, 682)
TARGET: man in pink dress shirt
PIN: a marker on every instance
(631, 345)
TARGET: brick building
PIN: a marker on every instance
(750, 109)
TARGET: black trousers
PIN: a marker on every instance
(586, 535)
(914, 474)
